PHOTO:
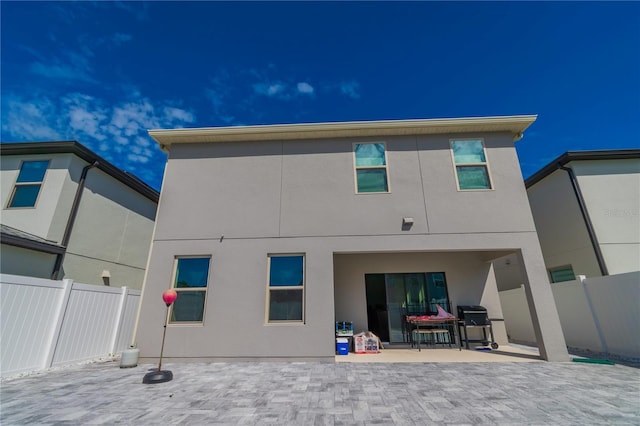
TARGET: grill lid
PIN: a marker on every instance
(471, 309)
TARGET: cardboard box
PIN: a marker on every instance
(365, 344)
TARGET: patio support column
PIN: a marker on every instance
(542, 305)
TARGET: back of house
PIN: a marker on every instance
(271, 234)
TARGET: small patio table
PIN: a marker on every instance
(449, 322)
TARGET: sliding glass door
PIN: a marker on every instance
(402, 294)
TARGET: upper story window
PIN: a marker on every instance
(371, 167)
(285, 289)
(562, 273)
(27, 187)
(190, 280)
(471, 166)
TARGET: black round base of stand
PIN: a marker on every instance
(157, 376)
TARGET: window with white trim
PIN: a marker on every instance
(27, 187)
(470, 163)
(190, 281)
(561, 273)
(370, 160)
(285, 288)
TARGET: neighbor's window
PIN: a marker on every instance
(191, 276)
(285, 290)
(470, 160)
(562, 273)
(371, 167)
(25, 193)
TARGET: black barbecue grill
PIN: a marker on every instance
(475, 317)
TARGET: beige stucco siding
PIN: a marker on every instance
(308, 189)
(21, 261)
(611, 190)
(234, 321)
(112, 232)
(40, 220)
(561, 228)
(214, 189)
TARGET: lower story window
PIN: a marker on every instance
(190, 280)
(285, 288)
(562, 273)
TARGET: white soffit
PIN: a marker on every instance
(515, 124)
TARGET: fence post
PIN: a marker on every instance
(118, 325)
(59, 320)
(596, 321)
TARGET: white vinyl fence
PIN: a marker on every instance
(46, 323)
(598, 314)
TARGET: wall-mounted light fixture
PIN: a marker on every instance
(407, 223)
(106, 277)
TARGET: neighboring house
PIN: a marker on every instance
(67, 213)
(272, 233)
(586, 207)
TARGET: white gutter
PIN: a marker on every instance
(516, 125)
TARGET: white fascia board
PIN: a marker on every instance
(514, 124)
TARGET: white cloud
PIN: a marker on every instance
(87, 122)
(218, 93)
(74, 63)
(60, 71)
(269, 89)
(177, 114)
(350, 88)
(71, 65)
(133, 117)
(238, 95)
(139, 9)
(117, 132)
(119, 38)
(304, 87)
(28, 120)
(281, 90)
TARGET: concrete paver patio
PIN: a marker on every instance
(307, 393)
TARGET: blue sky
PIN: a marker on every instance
(104, 72)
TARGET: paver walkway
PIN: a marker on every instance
(328, 394)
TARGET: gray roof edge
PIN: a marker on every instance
(76, 148)
(17, 238)
(569, 156)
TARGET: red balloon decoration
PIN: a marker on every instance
(169, 296)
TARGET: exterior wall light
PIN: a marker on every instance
(407, 223)
(106, 277)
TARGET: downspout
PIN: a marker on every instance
(72, 218)
(587, 220)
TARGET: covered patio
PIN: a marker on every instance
(376, 291)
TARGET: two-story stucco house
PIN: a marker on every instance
(68, 213)
(270, 234)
